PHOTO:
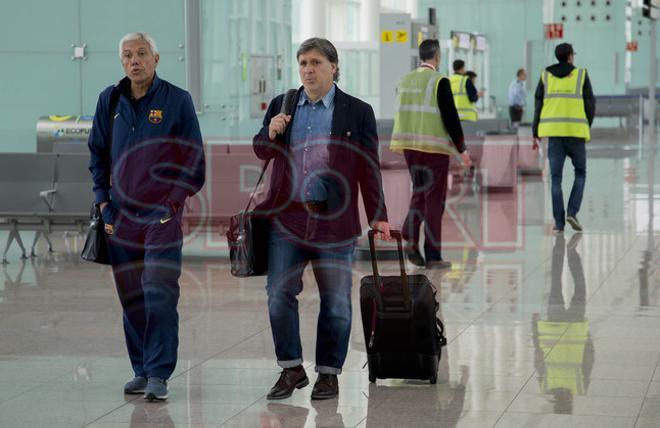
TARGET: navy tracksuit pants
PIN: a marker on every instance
(145, 252)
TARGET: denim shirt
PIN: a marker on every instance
(310, 139)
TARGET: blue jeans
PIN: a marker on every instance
(558, 149)
(287, 259)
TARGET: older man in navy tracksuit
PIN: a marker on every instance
(146, 159)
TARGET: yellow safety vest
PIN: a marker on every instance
(417, 122)
(563, 112)
(563, 345)
(467, 110)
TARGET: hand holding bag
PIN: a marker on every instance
(96, 246)
(248, 233)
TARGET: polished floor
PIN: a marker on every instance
(543, 331)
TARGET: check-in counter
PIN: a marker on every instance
(498, 167)
(530, 161)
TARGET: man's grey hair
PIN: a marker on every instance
(324, 46)
(138, 36)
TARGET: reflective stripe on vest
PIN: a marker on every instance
(467, 111)
(417, 122)
(563, 112)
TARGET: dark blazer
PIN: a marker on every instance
(353, 156)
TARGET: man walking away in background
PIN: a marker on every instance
(564, 111)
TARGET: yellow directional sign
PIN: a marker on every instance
(387, 36)
(401, 36)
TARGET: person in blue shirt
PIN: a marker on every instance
(517, 97)
(323, 151)
(147, 157)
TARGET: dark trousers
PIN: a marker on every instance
(332, 266)
(515, 114)
(146, 263)
(558, 149)
(428, 173)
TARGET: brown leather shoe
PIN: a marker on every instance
(290, 379)
(326, 387)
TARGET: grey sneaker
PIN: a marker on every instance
(135, 386)
(575, 224)
(156, 389)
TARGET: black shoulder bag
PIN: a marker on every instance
(248, 233)
(96, 245)
(247, 238)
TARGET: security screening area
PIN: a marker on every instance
(338, 213)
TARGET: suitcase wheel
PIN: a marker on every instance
(372, 378)
(433, 380)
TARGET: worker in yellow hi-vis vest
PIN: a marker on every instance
(465, 93)
(564, 112)
(564, 351)
(427, 130)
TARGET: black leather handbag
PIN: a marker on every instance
(247, 238)
(248, 233)
(96, 245)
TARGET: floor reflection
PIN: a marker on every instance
(279, 415)
(564, 350)
(416, 403)
(649, 276)
(150, 414)
(15, 281)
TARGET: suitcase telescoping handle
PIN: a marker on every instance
(396, 234)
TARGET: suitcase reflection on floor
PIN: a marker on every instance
(415, 403)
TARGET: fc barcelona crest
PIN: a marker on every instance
(155, 116)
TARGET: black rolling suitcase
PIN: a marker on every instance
(403, 335)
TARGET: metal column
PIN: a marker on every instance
(193, 52)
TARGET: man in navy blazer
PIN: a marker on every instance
(324, 150)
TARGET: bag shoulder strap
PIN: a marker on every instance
(112, 106)
(256, 186)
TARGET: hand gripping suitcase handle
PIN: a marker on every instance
(372, 249)
(396, 234)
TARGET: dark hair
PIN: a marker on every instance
(428, 49)
(471, 74)
(458, 64)
(520, 71)
(324, 46)
(563, 51)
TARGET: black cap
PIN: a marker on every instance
(563, 51)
